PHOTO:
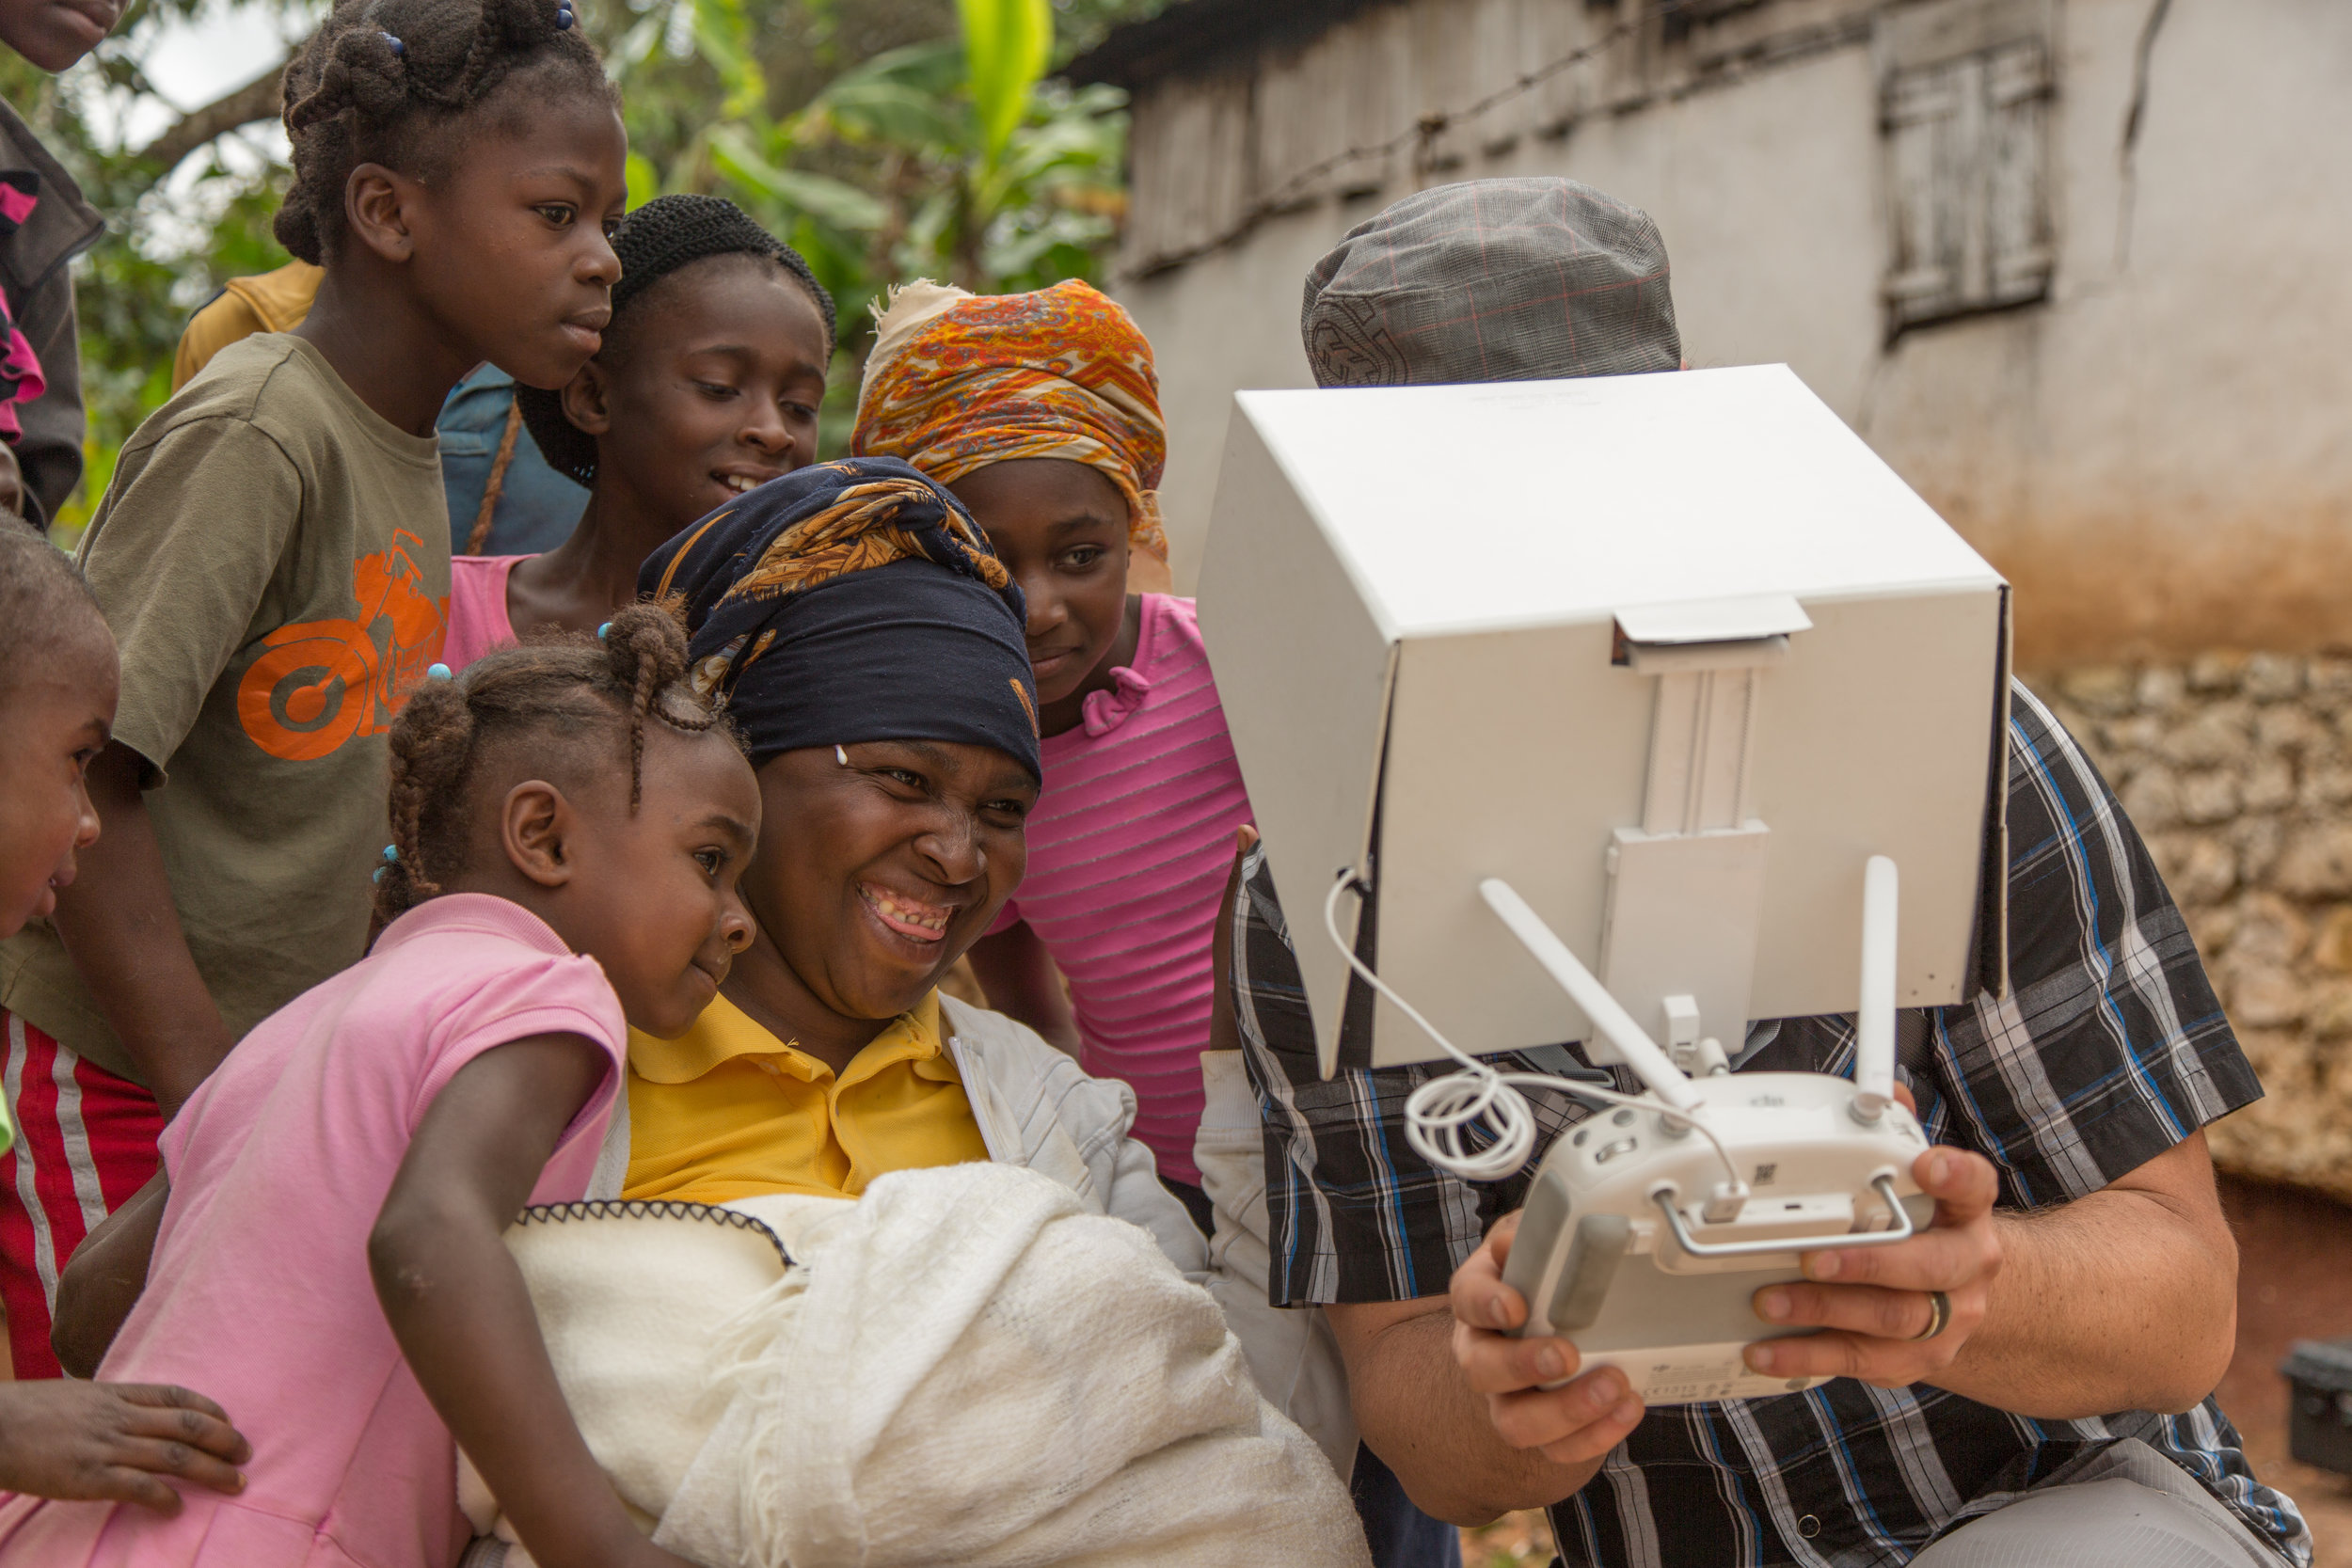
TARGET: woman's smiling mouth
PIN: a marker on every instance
(915, 919)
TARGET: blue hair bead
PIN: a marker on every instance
(379, 875)
(392, 853)
(437, 672)
(562, 18)
(399, 49)
(602, 630)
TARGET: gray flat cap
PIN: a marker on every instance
(1492, 280)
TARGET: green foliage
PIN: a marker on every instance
(1006, 44)
(169, 245)
(887, 139)
(947, 157)
(136, 292)
(942, 155)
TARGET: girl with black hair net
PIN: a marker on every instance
(272, 556)
(708, 386)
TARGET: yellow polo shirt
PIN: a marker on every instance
(728, 1111)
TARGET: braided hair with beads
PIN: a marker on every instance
(561, 695)
(395, 82)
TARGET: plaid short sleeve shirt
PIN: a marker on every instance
(2108, 1048)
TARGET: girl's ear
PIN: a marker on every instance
(1147, 574)
(585, 399)
(534, 828)
(375, 201)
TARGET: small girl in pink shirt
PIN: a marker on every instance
(329, 1254)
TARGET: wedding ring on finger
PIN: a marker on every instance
(1939, 1315)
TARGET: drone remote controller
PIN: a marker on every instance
(1651, 1227)
(1629, 1249)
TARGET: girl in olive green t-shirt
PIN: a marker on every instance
(273, 555)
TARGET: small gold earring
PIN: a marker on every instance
(840, 755)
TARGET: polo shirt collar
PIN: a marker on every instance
(725, 1031)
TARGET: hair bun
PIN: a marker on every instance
(646, 644)
(381, 81)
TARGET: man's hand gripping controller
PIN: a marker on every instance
(1644, 1243)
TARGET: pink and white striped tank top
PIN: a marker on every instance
(1129, 850)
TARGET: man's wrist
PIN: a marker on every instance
(1524, 1480)
(1417, 1410)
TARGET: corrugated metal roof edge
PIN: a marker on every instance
(1195, 38)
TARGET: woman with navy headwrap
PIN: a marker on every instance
(867, 648)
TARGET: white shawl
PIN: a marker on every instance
(962, 1367)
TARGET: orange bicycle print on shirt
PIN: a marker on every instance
(319, 683)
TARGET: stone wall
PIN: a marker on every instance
(2237, 770)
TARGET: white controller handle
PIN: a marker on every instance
(1641, 1053)
(1666, 1199)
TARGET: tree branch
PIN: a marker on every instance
(259, 99)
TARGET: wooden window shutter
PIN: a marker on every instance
(1965, 116)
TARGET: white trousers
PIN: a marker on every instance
(2128, 1507)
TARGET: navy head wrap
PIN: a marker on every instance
(852, 601)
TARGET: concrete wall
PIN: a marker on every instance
(2157, 456)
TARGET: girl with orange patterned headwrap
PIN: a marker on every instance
(959, 381)
(1040, 413)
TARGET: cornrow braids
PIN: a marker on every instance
(389, 81)
(549, 697)
(646, 648)
(432, 748)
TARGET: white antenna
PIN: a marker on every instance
(1640, 1052)
(1874, 1020)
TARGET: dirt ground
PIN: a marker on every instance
(2294, 1282)
(1513, 1541)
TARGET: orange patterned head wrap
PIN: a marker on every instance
(959, 381)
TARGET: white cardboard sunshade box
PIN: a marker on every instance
(1451, 625)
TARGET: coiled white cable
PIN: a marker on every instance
(1440, 1114)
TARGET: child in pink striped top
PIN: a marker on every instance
(1129, 845)
(1040, 413)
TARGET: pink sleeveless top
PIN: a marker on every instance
(477, 607)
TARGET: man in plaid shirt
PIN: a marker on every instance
(2054, 1407)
